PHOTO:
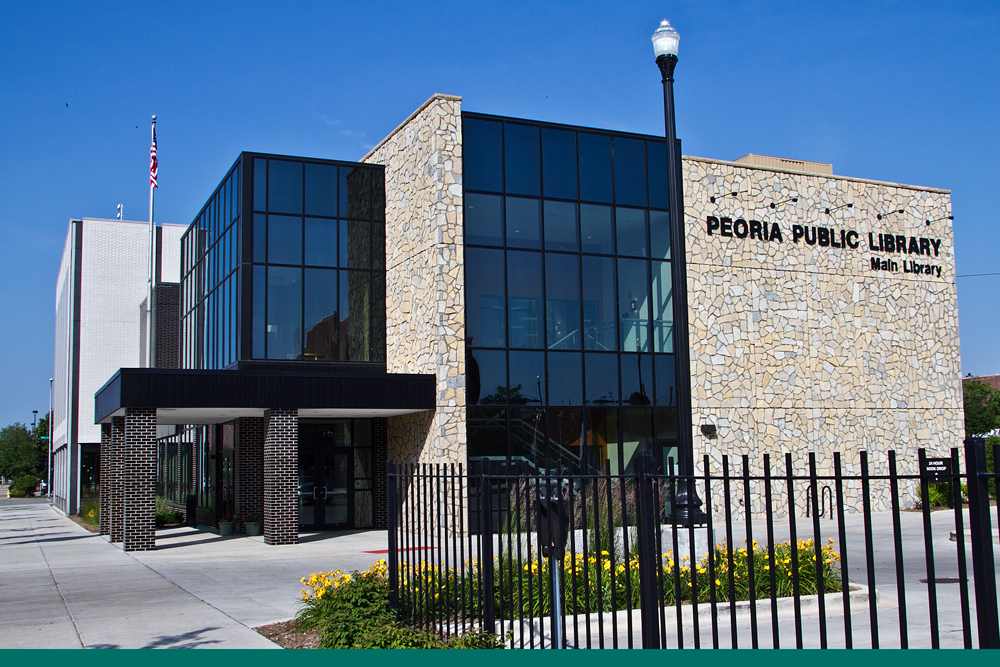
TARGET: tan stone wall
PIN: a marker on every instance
(425, 280)
(801, 348)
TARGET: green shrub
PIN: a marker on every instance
(24, 487)
(90, 512)
(352, 611)
(165, 514)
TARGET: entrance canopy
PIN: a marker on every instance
(213, 396)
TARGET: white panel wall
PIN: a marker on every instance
(170, 262)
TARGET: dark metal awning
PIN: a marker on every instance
(205, 397)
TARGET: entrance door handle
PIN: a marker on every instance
(324, 493)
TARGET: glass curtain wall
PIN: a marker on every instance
(210, 279)
(318, 261)
(299, 277)
(569, 296)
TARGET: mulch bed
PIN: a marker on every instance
(77, 520)
(286, 635)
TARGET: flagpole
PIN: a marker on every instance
(152, 248)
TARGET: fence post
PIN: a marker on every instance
(392, 559)
(982, 544)
(648, 561)
(486, 539)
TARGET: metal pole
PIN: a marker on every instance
(555, 567)
(392, 558)
(982, 544)
(678, 267)
(152, 258)
(49, 470)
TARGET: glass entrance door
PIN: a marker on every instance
(335, 474)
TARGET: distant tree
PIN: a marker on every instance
(21, 452)
(982, 408)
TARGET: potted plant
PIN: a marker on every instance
(252, 523)
(227, 524)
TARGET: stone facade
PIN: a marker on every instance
(798, 345)
(425, 278)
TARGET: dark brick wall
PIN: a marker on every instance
(250, 467)
(167, 345)
(281, 463)
(140, 479)
(105, 474)
(380, 441)
(116, 479)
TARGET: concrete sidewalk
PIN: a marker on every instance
(64, 587)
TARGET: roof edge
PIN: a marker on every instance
(430, 100)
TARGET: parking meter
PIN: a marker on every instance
(552, 520)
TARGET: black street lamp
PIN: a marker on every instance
(665, 42)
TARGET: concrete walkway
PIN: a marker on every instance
(64, 587)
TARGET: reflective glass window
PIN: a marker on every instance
(596, 229)
(523, 217)
(565, 378)
(562, 302)
(599, 317)
(481, 155)
(637, 435)
(602, 433)
(633, 303)
(637, 379)
(630, 171)
(663, 308)
(559, 163)
(483, 219)
(260, 185)
(377, 230)
(487, 432)
(521, 159)
(284, 186)
(656, 161)
(356, 193)
(527, 438)
(524, 299)
(284, 239)
(284, 312)
(595, 167)
(485, 319)
(527, 378)
(560, 226)
(357, 253)
(659, 234)
(321, 242)
(666, 384)
(565, 432)
(322, 323)
(355, 310)
(631, 226)
(602, 378)
(486, 379)
(378, 316)
(321, 189)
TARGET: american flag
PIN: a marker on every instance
(152, 162)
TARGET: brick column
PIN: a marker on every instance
(380, 441)
(117, 479)
(104, 477)
(281, 472)
(250, 466)
(140, 479)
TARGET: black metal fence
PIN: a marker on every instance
(783, 557)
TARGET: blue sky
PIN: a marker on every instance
(895, 91)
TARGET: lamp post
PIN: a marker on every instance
(665, 42)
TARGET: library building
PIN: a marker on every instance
(483, 286)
